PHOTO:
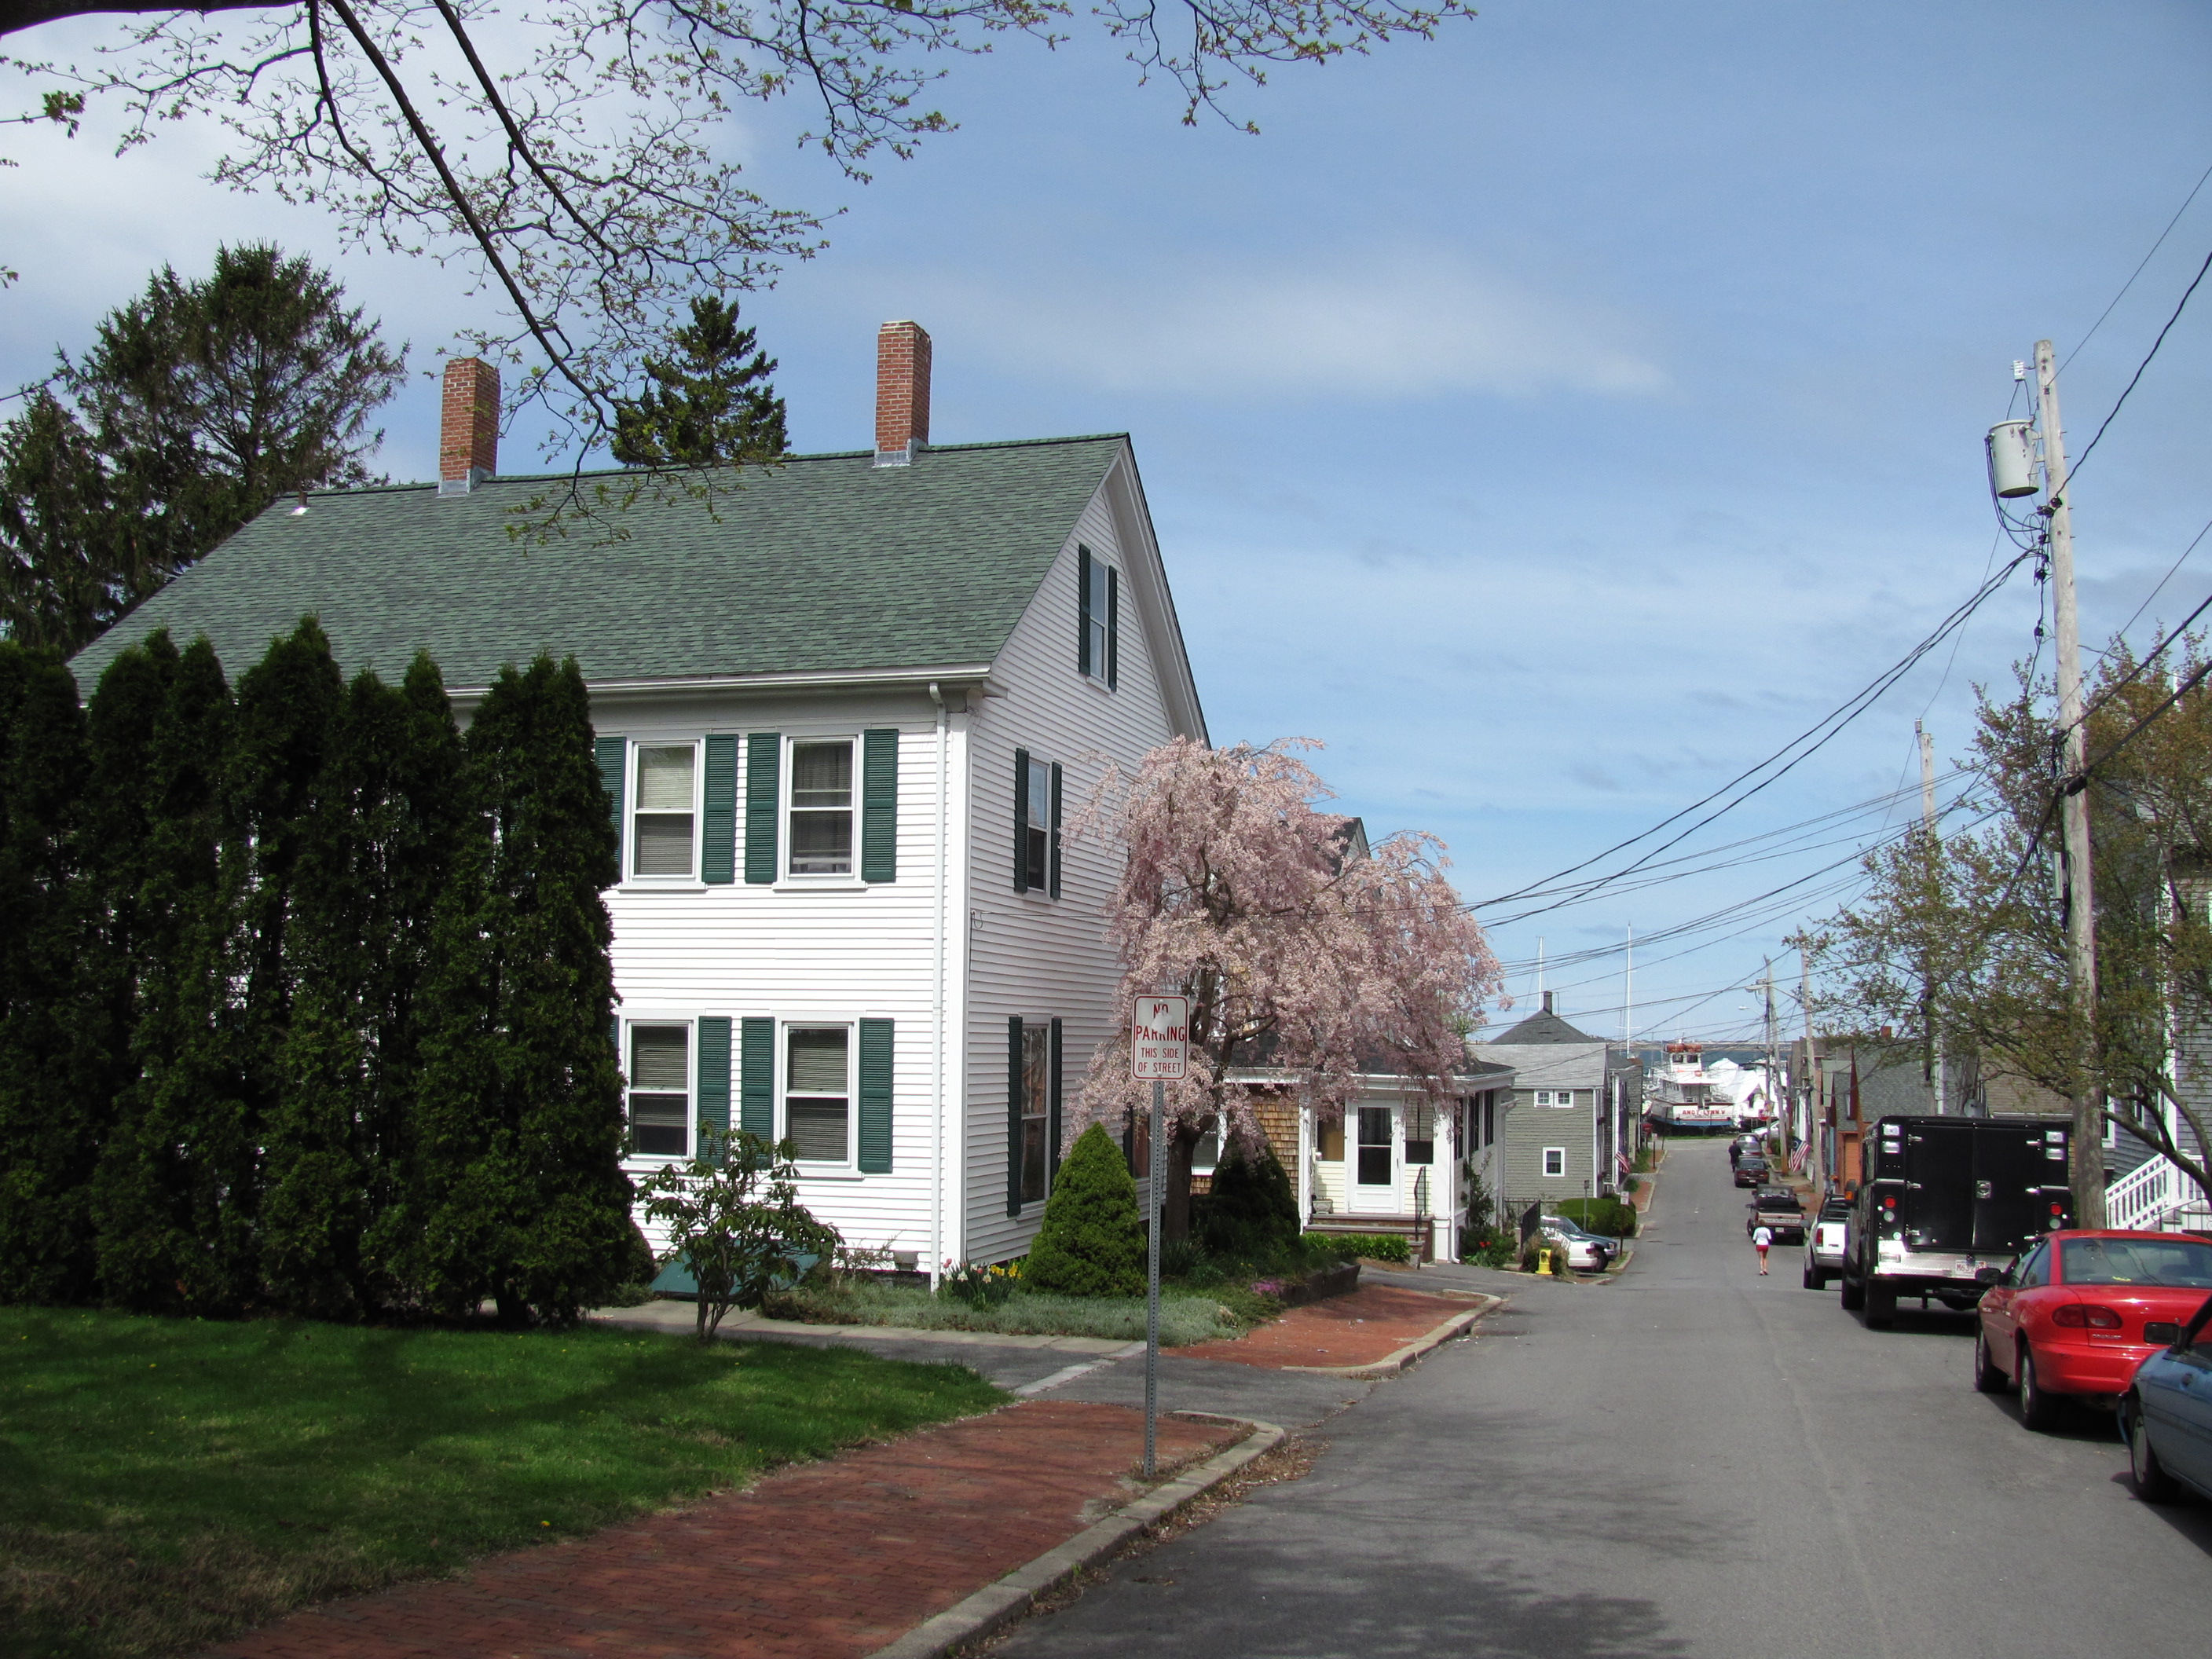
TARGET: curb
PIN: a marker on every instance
(1391, 1364)
(999, 1604)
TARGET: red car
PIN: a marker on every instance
(2079, 1310)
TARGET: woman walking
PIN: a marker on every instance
(1762, 1238)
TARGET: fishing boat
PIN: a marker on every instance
(1680, 1095)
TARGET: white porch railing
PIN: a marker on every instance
(2155, 1195)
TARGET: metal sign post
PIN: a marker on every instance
(1159, 1049)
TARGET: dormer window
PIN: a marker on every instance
(1098, 623)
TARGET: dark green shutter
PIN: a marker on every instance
(879, 807)
(762, 749)
(713, 1079)
(1059, 1079)
(757, 1079)
(875, 1096)
(1113, 627)
(717, 858)
(1052, 862)
(1021, 820)
(611, 753)
(1082, 610)
(1014, 1115)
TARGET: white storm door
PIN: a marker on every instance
(1374, 1163)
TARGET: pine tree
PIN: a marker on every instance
(51, 1125)
(1092, 1243)
(521, 1123)
(174, 1197)
(709, 404)
(198, 405)
(1250, 1212)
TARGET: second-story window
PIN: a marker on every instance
(1037, 848)
(1098, 629)
(661, 843)
(822, 808)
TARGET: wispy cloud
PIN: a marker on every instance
(1386, 325)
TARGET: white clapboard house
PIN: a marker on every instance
(842, 711)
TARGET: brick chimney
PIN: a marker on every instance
(468, 434)
(1547, 1002)
(902, 394)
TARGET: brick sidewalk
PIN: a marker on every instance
(1368, 1325)
(819, 1561)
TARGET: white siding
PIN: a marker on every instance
(1031, 955)
(862, 952)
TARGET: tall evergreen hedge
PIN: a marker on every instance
(304, 999)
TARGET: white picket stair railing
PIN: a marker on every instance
(2155, 1195)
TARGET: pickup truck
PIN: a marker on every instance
(1824, 1242)
(1778, 1210)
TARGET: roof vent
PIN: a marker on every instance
(902, 394)
(468, 432)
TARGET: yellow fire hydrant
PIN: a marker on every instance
(1544, 1262)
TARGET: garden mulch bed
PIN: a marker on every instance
(819, 1561)
(1366, 1327)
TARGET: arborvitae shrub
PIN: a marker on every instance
(52, 1092)
(1092, 1243)
(1251, 1214)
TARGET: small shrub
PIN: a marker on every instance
(1092, 1243)
(1532, 1252)
(1492, 1252)
(1252, 1213)
(1608, 1217)
(735, 1222)
(1376, 1247)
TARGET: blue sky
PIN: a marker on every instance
(1553, 419)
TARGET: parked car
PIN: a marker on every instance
(1750, 1170)
(1781, 1212)
(1824, 1240)
(2168, 1415)
(2080, 1311)
(1587, 1251)
(1742, 1147)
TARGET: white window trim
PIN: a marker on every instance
(821, 1167)
(662, 883)
(1559, 1173)
(690, 1025)
(786, 879)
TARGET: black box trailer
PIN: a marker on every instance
(1941, 1198)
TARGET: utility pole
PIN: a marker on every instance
(1812, 1092)
(1931, 1051)
(2088, 1151)
(1776, 1101)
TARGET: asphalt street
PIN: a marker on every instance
(1685, 1460)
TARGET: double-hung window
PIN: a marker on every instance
(1098, 632)
(817, 1093)
(662, 836)
(821, 806)
(661, 1090)
(1555, 1162)
(1037, 1108)
(1036, 829)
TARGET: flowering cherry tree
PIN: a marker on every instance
(1300, 953)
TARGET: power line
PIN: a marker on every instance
(2074, 471)
(2138, 271)
(1808, 742)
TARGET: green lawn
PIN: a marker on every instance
(164, 1483)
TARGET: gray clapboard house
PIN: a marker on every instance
(1557, 1133)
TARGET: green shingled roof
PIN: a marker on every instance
(826, 563)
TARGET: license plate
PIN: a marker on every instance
(2163, 1331)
